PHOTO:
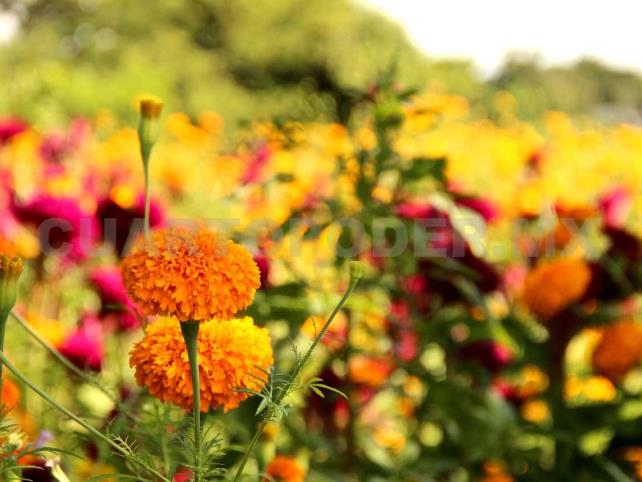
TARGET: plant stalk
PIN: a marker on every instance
(283, 392)
(3, 324)
(62, 359)
(78, 420)
(190, 335)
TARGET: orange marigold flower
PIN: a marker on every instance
(370, 371)
(554, 285)
(10, 395)
(192, 276)
(618, 350)
(285, 469)
(232, 355)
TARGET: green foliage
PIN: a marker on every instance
(301, 59)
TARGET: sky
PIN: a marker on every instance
(486, 30)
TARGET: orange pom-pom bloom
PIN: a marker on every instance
(10, 395)
(554, 285)
(192, 276)
(232, 355)
(618, 350)
(285, 469)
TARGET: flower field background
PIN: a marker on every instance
(412, 285)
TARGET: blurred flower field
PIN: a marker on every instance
(494, 333)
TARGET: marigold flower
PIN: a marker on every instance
(554, 285)
(370, 371)
(285, 469)
(190, 276)
(232, 355)
(10, 395)
(619, 350)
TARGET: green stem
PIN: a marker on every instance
(147, 197)
(62, 359)
(283, 392)
(80, 421)
(146, 145)
(190, 335)
(3, 325)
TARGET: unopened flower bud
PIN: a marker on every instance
(10, 269)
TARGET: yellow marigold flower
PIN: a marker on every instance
(10, 270)
(285, 469)
(554, 285)
(535, 411)
(618, 350)
(192, 276)
(231, 357)
(389, 439)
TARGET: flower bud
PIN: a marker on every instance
(356, 271)
(10, 270)
(150, 107)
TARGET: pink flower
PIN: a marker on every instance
(115, 301)
(415, 210)
(256, 164)
(615, 207)
(9, 128)
(406, 346)
(484, 207)
(84, 346)
(183, 475)
(263, 262)
(62, 225)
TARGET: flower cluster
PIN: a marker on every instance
(234, 357)
(191, 277)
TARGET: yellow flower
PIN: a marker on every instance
(233, 355)
(554, 285)
(535, 411)
(618, 350)
(190, 276)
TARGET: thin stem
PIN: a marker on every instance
(190, 335)
(79, 420)
(62, 359)
(283, 392)
(147, 196)
(3, 325)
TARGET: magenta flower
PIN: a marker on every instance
(9, 128)
(256, 164)
(615, 206)
(415, 210)
(484, 207)
(119, 225)
(116, 303)
(263, 262)
(84, 346)
(63, 227)
(488, 353)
